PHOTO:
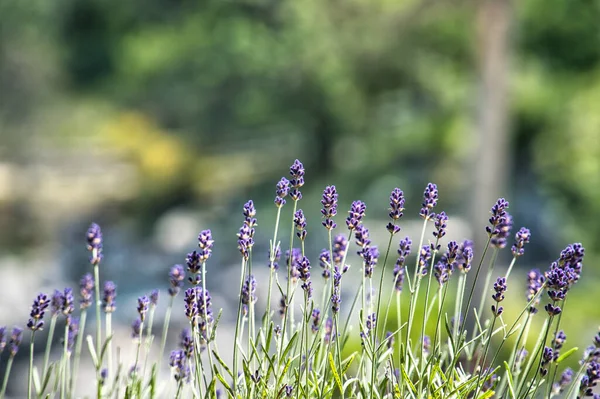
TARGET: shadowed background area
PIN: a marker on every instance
(159, 119)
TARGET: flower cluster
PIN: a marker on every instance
(94, 243)
(521, 238)
(445, 267)
(396, 208)
(304, 274)
(355, 214)
(180, 366)
(109, 296)
(535, 282)
(38, 309)
(176, 277)
(300, 223)
(403, 252)
(424, 256)
(283, 188)
(329, 202)
(500, 288)
(562, 275)
(465, 256)
(297, 181)
(502, 231)
(430, 199)
(248, 293)
(316, 320)
(590, 379)
(86, 290)
(441, 220)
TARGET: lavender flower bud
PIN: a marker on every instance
(300, 223)
(249, 212)
(535, 282)
(283, 305)
(325, 263)
(498, 217)
(521, 238)
(191, 307)
(426, 345)
(440, 225)
(276, 257)
(94, 243)
(396, 209)
(361, 233)
(16, 338)
(56, 302)
(316, 317)
(186, 342)
(371, 321)
(68, 305)
(248, 292)
(245, 240)
(424, 256)
(136, 328)
(179, 366)
(283, 188)
(176, 277)
(193, 262)
(430, 199)
(502, 232)
(370, 256)
(142, 308)
(86, 289)
(297, 181)
(154, 297)
(565, 380)
(547, 357)
(340, 246)
(356, 214)
(110, 293)
(465, 256)
(403, 252)
(38, 309)
(329, 202)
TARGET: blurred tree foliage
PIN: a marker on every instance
(356, 88)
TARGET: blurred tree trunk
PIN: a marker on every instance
(490, 159)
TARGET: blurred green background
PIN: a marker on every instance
(160, 118)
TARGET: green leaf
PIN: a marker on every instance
(92, 350)
(334, 371)
(407, 380)
(510, 380)
(566, 354)
(36, 381)
(223, 364)
(225, 384)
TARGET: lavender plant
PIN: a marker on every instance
(395, 337)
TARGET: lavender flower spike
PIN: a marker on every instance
(86, 290)
(430, 199)
(356, 214)
(15, 341)
(300, 223)
(248, 292)
(521, 238)
(206, 242)
(2, 339)
(440, 225)
(110, 293)
(297, 181)
(176, 277)
(500, 288)
(142, 308)
(94, 243)
(283, 188)
(396, 209)
(329, 202)
(38, 309)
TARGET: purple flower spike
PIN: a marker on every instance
(336, 297)
(206, 242)
(356, 214)
(16, 338)
(56, 302)
(176, 277)
(110, 293)
(424, 256)
(276, 257)
(465, 256)
(565, 380)
(297, 181)
(154, 297)
(430, 199)
(179, 366)
(521, 238)
(191, 307)
(403, 252)
(361, 233)
(72, 333)
(248, 292)
(283, 188)
(68, 305)
(142, 308)
(396, 204)
(300, 223)
(86, 290)
(136, 328)
(370, 256)
(340, 245)
(535, 282)
(38, 309)
(186, 342)
(316, 320)
(500, 288)
(329, 202)
(94, 243)
(440, 225)
(245, 240)
(498, 217)
(325, 263)
(502, 232)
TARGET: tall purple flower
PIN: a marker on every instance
(498, 217)
(430, 199)
(94, 243)
(68, 305)
(276, 257)
(304, 271)
(186, 342)
(316, 320)
(590, 379)
(297, 180)
(300, 223)
(245, 241)
(465, 256)
(329, 331)
(248, 292)
(370, 256)
(502, 231)
(521, 238)
(179, 366)
(535, 282)
(191, 306)
(283, 188)
(136, 328)
(176, 277)
(154, 297)
(403, 252)
(336, 297)
(193, 262)
(325, 263)
(329, 202)
(110, 293)
(424, 256)
(205, 315)
(142, 308)
(356, 214)
(86, 290)
(396, 209)
(441, 221)
(500, 288)
(340, 246)
(16, 338)
(38, 309)
(206, 242)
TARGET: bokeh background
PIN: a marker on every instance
(158, 119)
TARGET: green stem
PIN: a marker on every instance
(30, 377)
(208, 333)
(98, 318)
(164, 332)
(78, 345)
(237, 329)
(289, 282)
(65, 363)
(49, 344)
(6, 375)
(109, 363)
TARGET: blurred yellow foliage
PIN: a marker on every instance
(159, 156)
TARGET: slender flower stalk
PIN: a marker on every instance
(13, 344)
(95, 246)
